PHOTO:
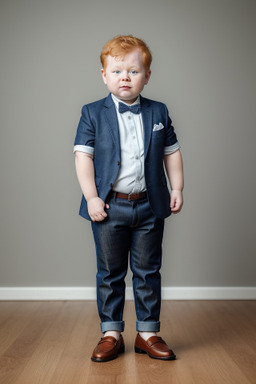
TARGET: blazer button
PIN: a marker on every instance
(118, 163)
(111, 185)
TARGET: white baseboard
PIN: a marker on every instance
(89, 293)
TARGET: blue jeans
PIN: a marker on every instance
(130, 228)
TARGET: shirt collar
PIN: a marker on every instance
(116, 100)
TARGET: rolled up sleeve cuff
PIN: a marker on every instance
(172, 148)
(84, 148)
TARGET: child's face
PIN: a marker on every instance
(126, 77)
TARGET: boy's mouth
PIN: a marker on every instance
(125, 87)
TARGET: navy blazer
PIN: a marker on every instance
(98, 128)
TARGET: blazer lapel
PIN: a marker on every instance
(111, 118)
(146, 113)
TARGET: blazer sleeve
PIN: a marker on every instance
(85, 135)
(170, 135)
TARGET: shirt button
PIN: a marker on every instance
(134, 137)
(129, 117)
(137, 157)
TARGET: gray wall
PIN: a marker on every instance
(203, 69)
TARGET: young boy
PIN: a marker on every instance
(121, 143)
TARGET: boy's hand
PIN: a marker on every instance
(176, 201)
(96, 209)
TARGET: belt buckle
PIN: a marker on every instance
(129, 197)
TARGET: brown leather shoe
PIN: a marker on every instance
(107, 349)
(155, 347)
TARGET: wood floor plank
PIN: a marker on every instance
(15, 321)
(73, 365)
(42, 365)
(244, 319)
(220, 365)
(236, 338)
(7, 308)
(15, 358)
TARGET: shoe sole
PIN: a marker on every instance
(142, 351)
(97, 360)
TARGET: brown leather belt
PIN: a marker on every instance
(131, 196)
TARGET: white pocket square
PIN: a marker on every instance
(158, 127)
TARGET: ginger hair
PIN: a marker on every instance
(120, 45)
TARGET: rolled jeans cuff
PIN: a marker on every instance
(112, 326)
(147, 326)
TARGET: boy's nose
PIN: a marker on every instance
(125, 76)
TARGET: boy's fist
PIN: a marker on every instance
(176, 201)
(96, 209)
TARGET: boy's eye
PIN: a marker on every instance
(133, 72)
(117, 72)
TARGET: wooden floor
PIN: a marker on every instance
(51, 342)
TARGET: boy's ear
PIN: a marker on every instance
(103, 74)
(148, 74)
